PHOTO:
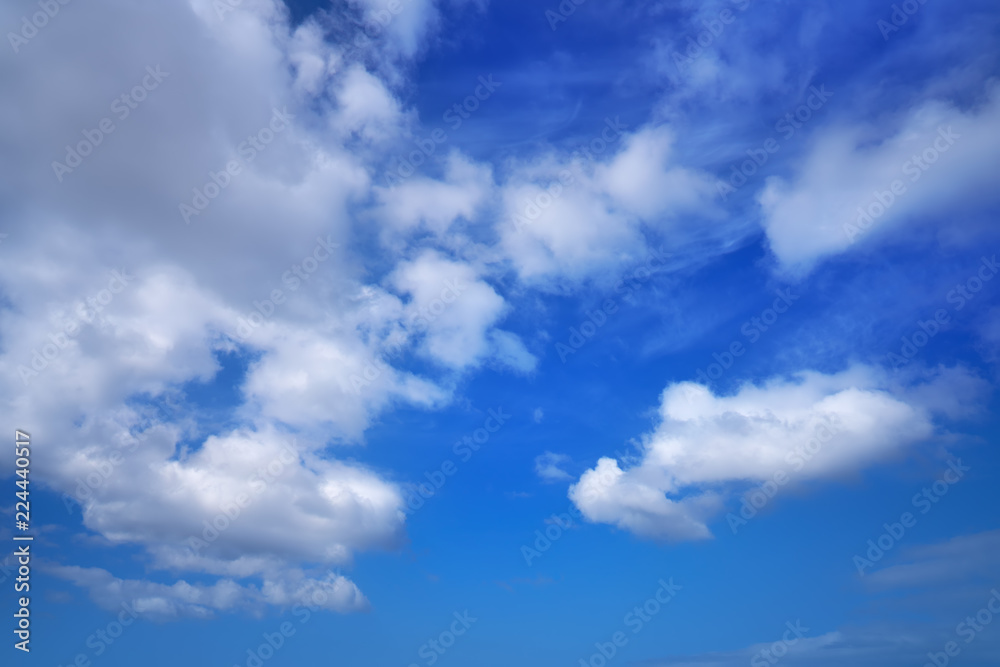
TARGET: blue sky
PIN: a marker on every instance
(685, 311)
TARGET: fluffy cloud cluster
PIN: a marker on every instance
(123, 300)
(812, 425)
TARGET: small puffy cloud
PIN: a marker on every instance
(810, 425)
(548, 467)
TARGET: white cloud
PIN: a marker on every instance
(454, 311)
(436, 204)
(183, 600)
(190, 284)
(811, 425)
(642, 180)
(853, 166)
(548, 467)
(570, 218)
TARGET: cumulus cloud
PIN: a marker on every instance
(454, 311)
(122, 301)
(570, 218)
(810, 425)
